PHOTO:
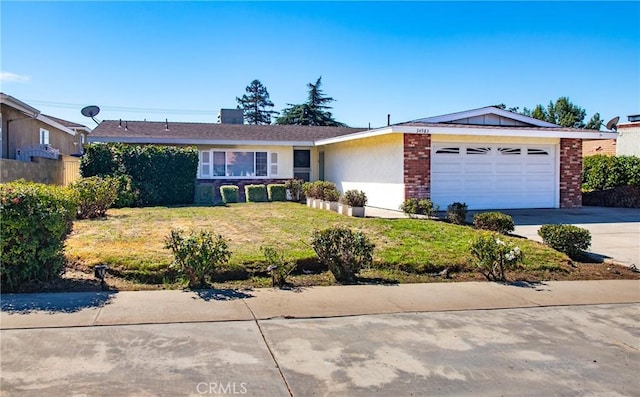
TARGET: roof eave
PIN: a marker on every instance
(191, 141)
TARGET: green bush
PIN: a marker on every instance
(600, 172)
(354, 198)
(36, 220)
(457, 213)
(162, 175)
(343, 251)
(229, 194)
(571, 240)
(307, 188)
(204, 194)
(295, 188)
(494, 221)
(414, 206)
(196, 257)
(255, 193)
(127, 195)
(94, 196)
(277, 266)
(321, 190)
(494, 256)
(277, 192)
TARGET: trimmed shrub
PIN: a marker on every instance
(494, 221)
(94, 196)
(414, 206)
(197, 256)
(494, 256)
(162, 175)
(204, 194)
(36, 220)
(354, 198)
(621, 196)
(343, 251)
(306, 189)
(295, 188)
(277, 266)
(255, 193)
(571, 240)
(457, 213)
(601, 172)
(229, 193)
(277, 192)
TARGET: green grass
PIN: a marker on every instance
(131, 241)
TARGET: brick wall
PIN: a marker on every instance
(417, 166)
(241, 183)
(570, 173)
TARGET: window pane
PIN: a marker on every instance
(261, 163)
(240, 164)
(218, 164)
(302, 158)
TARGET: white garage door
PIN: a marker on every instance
(493, 176)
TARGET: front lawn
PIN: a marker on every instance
(130, 241)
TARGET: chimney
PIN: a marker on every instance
(231, 116)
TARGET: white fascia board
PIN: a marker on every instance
(187, 141)
(357, 135)
(516, 132)
(487, 110)
(19, 105)
(54, 124)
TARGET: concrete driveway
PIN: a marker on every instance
(615, 232)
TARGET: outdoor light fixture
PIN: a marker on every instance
(99, 272)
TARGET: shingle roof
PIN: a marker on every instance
(66, 123)
(114, 130)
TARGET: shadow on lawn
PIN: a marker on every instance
(219, 294)
(55, 302)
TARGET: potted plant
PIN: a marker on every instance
(331, 197)
(352, 203)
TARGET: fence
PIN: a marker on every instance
(41, 170)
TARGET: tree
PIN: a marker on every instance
(313, 112)
(255, 103)
(561, 112)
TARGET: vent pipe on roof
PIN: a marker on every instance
(388, 120)
(126, 125)
(120, 123)
(166, 124)
(369, 125)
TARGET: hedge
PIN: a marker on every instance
(204, 194)
(255, 193)
(277, 192)
(229, 193)
(600, 172)
(36, 220)
(162, 175)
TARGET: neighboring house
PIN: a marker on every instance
(489, 158)
(629, 137)
(593, 147)
(28, 136)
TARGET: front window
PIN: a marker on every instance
(44, 136)
(217, 163)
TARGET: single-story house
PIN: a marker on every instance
(628, 143)
(489, 158)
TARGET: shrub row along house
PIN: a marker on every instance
(489, 158)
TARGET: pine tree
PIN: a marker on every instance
(313, 112)
(255, 103)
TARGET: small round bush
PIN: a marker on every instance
(414, 206)
(343, 251)
(94, 195)
(457, 213)
(354, 198)
(571, 240)
(494, 221)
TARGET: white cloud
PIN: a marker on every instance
(13, 78)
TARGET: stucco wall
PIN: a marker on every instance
(628, 140)
(373, 165)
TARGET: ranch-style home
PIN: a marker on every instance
(489, 158)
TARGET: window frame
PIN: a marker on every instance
(44, 137)
(261, 163)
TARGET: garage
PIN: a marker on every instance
(494, 176)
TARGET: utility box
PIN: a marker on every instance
(231, 116)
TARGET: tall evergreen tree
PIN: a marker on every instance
(255, 103)
(313, 112)
(561, 112)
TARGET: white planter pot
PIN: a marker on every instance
(309, 202)
(356, 211)
(331, 205)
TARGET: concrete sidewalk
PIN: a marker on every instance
(85, 309)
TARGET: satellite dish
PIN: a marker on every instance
(613, 123)
(90, 111)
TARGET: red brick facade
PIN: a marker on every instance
(570, 173)
(417, 166)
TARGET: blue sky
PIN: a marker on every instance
(186, 60)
